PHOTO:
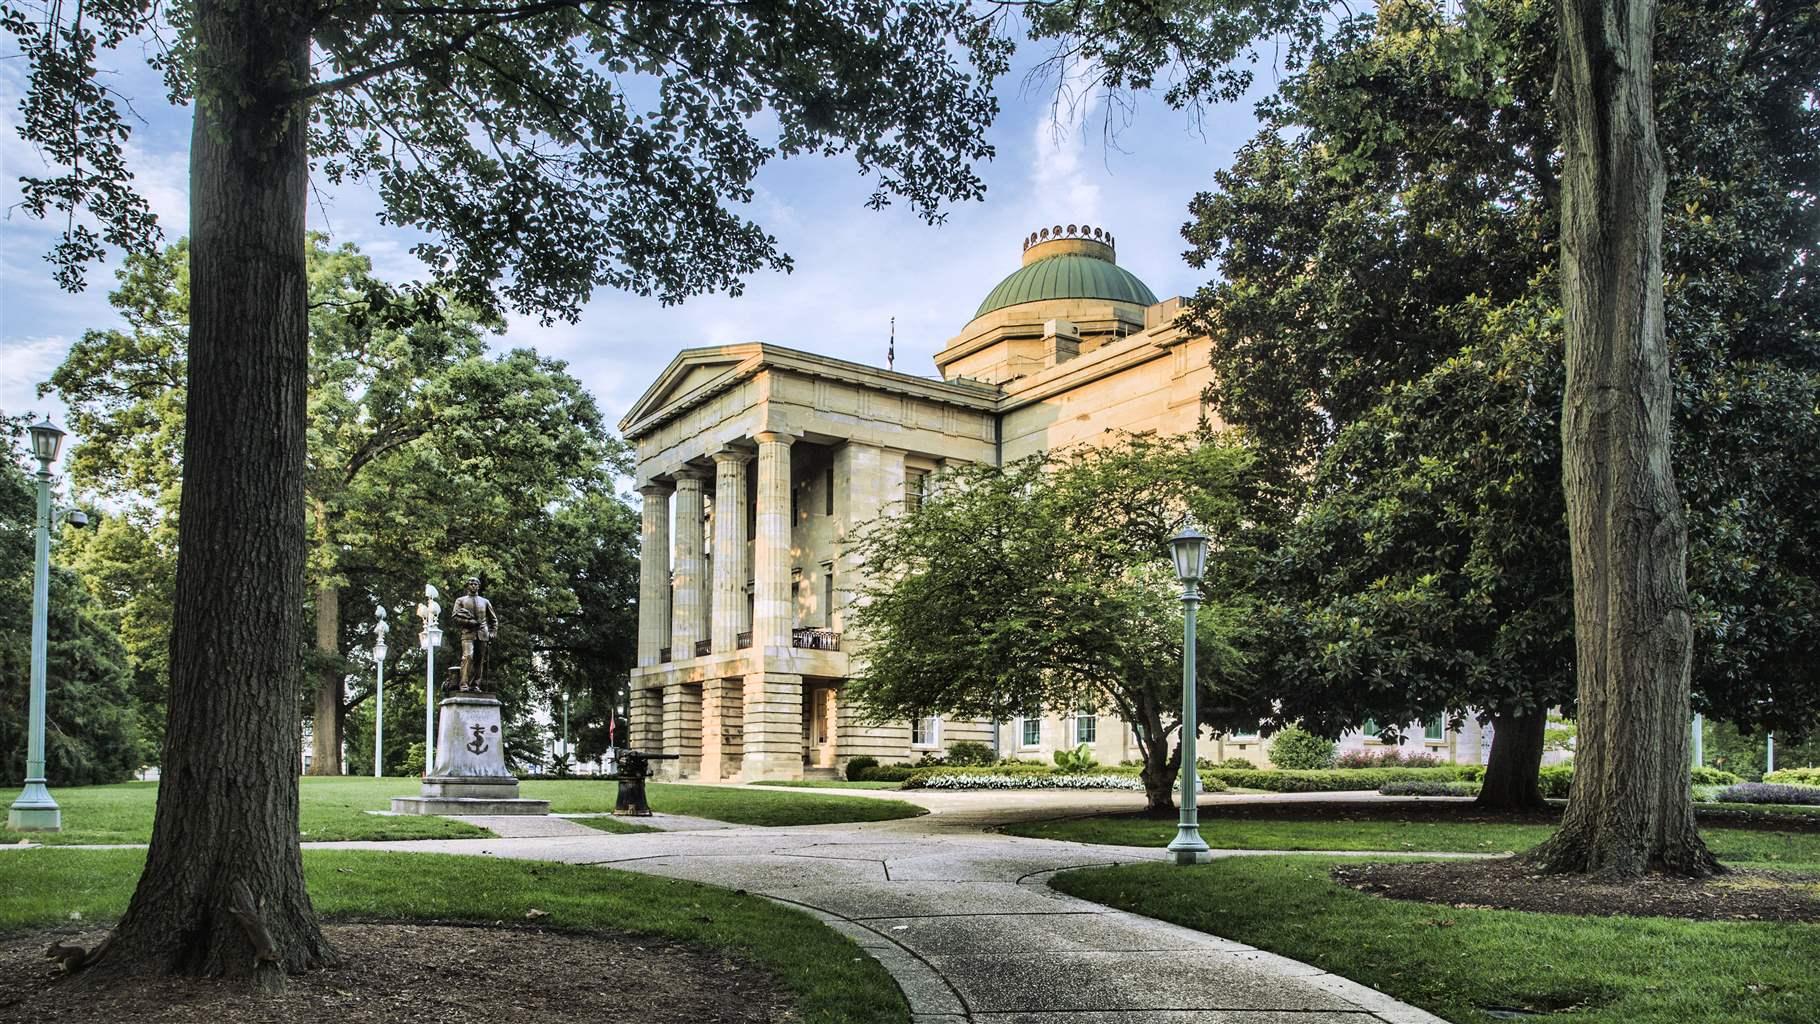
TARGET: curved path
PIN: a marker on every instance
(964, 920)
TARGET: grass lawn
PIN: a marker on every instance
(740, 805)
(829, 784)
(330, 809)
(833, 981)
(1459, 962)
(1428, 826)
(335, 809)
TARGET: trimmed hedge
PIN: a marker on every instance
(1557, 779)
(1333, 780)
(1704, 776)
(1020, 775)
(1430, 789)
(1795, 776)
(1769, 793)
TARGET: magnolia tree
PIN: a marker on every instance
(1047, 585)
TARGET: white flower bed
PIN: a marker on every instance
(1032, 780)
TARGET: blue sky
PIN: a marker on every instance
(855, 268)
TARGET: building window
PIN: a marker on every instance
(916, 487)
(1030, 731)
(828, 491)
(1434, 730)
(1246, 732)
(1370, 729)
(1086, 727)
(828, 598)
(926, 732)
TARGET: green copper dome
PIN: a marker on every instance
(1070, 276)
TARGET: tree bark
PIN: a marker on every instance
(1511, 774)
(1159, 771)
(1629, 810)
(224, 836)
(326, 720)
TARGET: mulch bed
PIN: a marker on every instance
(423, 974)
(1510, 884)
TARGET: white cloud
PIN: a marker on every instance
(27, 363)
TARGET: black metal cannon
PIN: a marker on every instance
(634, 770)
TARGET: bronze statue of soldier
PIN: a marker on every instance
(479, 625)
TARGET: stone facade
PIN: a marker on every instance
(757, 463)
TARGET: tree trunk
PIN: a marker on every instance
(326, 720)
(1629, 810)
(222, 892)
(1511, 775)
(1159, 771)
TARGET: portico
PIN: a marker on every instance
(757, 465)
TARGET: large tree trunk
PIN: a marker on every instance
(1511, 774)
(223, 892)
(1629, 811)
(326, 720)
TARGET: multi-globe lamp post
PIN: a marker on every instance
(35, 810)
(380, 629)
(1189, 547)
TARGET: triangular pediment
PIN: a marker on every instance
(692, 370)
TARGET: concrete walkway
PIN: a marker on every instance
(965, 922)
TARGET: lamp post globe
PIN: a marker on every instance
(1189, 549)
(35, 810)
(47, 442)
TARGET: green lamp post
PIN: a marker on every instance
(35, 810)
(1189, 546)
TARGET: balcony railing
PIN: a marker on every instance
(744, 640)
(663, 655)
(703, 648)
(815, 639)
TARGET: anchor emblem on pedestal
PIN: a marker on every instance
(479, 743)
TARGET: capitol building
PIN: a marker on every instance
(757, 463)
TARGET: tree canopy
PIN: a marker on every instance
(1389, 315)
(1046, 584)
(429, 460)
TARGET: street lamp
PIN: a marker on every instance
(430, 639)
(35, 810)
(1189, 546)
(380, 629)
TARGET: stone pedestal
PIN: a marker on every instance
(470, 774)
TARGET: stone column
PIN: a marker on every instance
(691, 580)
(773, 746)
(654, 574)
(773, 611)
(729, 599)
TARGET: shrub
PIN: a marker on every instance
(1231, 762)
(1328, 781)
(1209, 784)
(1472, 772)
(969, 752)
(951, 779)
(1080, 759)
(1297, 749)
(890, 772)
(857, 767)
(1556, 779)
(1387, 757)
(1425, 788)
(1769, 793)
(413, 761)
(1704, 776)
(1795, 776)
